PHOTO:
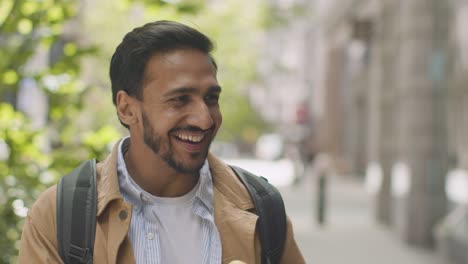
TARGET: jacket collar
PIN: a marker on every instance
(107, 180)
(224, 182)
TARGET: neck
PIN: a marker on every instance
(154, 175)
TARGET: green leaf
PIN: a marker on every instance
(25, 26)
(70, 49)
(10, 77)
(29, 7)
(5, 9)
(55, 13)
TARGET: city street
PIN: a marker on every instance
(350, 234)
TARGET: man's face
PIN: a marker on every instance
(180, 110)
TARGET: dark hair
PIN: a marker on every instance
(127, 67)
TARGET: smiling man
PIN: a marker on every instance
(161, 197)
(174, 121)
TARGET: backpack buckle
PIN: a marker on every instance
(81, 254)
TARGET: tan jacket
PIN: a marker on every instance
(232, 208)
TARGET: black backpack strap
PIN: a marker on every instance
(76, 214)
(271, 214)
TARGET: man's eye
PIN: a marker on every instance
(212, 99)
(181, 99)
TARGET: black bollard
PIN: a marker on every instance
(321, 210)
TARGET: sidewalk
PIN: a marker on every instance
(350, 235)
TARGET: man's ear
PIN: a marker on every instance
(126, 108)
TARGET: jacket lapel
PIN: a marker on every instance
(233, 214)
(114, 215)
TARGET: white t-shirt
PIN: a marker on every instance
(180, 231)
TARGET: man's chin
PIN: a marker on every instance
(187, 167)
(186, 162)
(183, 168)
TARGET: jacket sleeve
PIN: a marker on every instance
(35, 246)
(38, 241)
(291, 252)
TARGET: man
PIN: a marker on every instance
(162, 198)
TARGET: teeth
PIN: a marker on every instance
(190, 138)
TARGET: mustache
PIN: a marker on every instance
(194, 129)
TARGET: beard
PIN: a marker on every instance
(164, 149)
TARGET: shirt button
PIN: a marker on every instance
(150, 236)
(123, 215)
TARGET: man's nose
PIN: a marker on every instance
(200, 116)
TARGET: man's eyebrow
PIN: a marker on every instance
(191, 90)
(216, 89)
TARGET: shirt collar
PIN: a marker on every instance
(205, 192)
(134, 193)
(129, 189)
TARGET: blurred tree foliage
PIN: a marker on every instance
(63, 48)
(37, 47)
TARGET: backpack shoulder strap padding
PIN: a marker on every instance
(271, 214)
(76, 214)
